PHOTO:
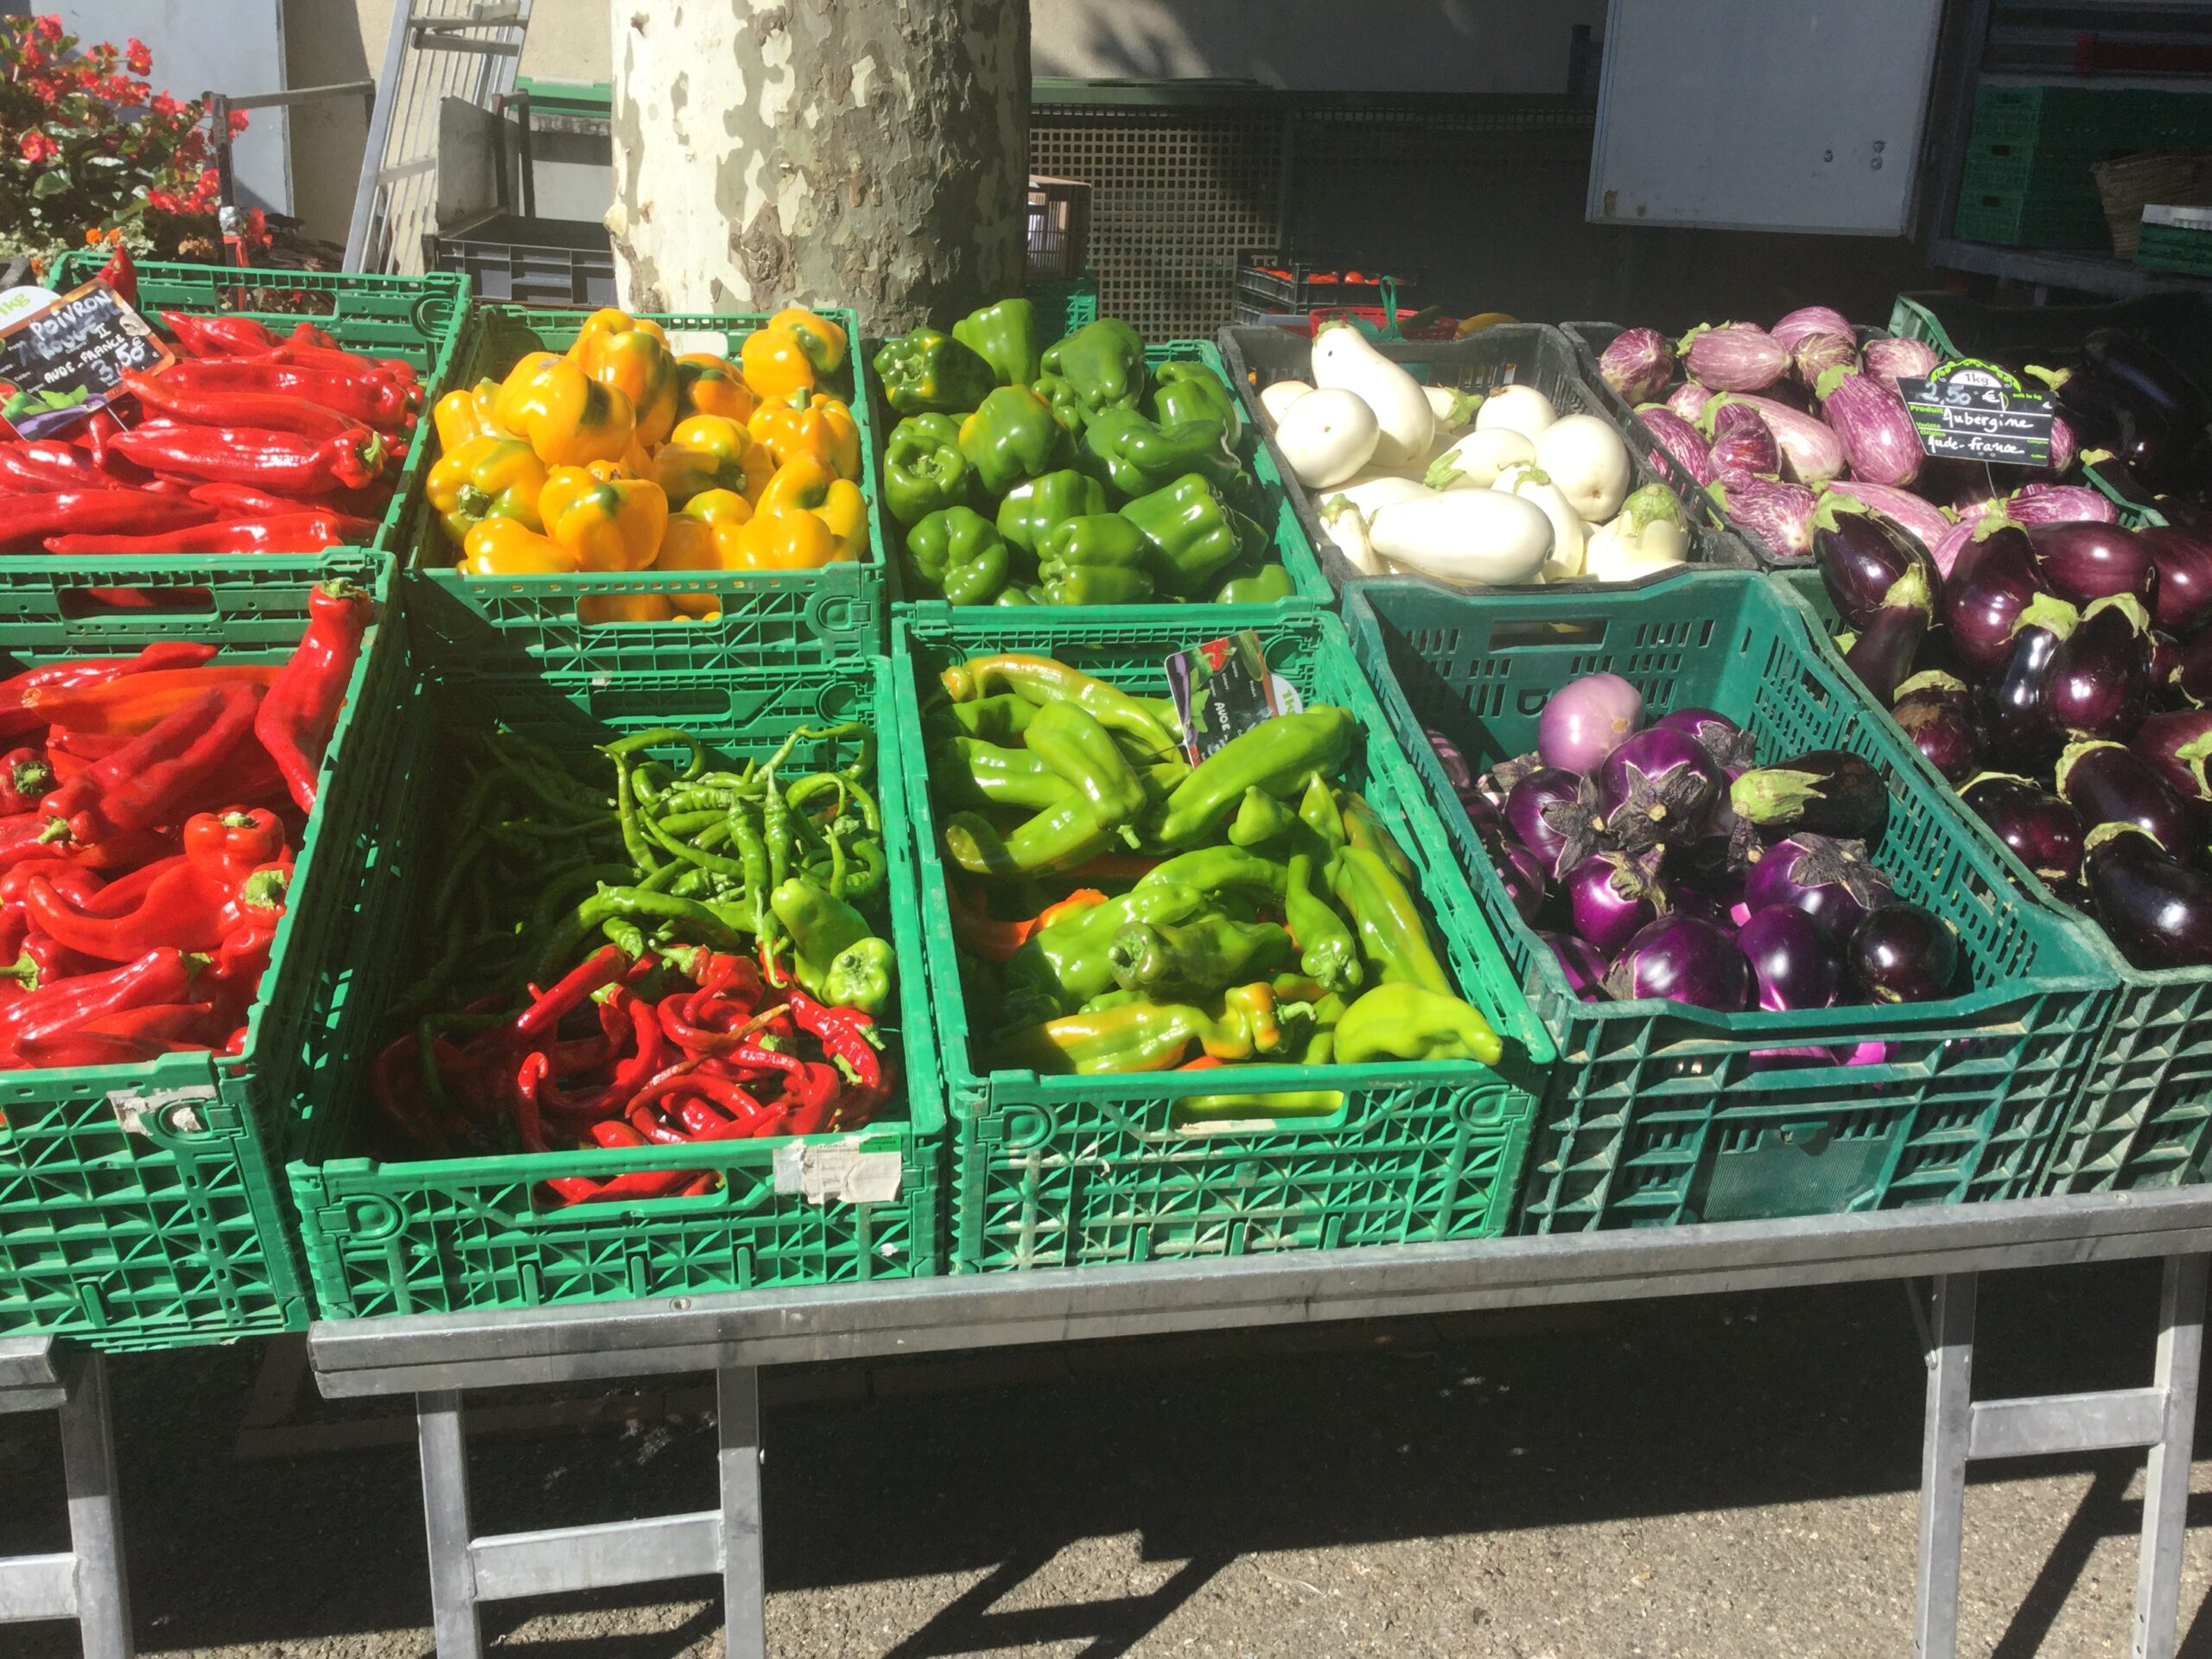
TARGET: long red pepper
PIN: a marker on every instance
(27, 521)
(380, 402)
(280, 461)
(291, 533)
(45, 468)
(296, 720)
(162, 975)
(144, 782)
(137, 701)
(220, 336)
(91, 670)
(270, 411)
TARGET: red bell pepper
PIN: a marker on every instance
(26, 775)
(196, 903)
(27, 521)
(291, 533)
(300, 712)
(242, 455)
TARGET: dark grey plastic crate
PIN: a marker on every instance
(558, 261)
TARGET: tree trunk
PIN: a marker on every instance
(867, 153)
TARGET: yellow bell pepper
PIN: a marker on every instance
(465, 413)
(692, 544)
(488, 477)
(776, 364)
(631, 355)
(808, 483)
(599, 608)
(613, 523)
(563, 414)
(706, 452)
(718, 508)
(780, 538)
(508, 547)
(707, 385)
(818, 426)
(823, 340)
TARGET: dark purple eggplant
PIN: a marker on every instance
(1657, 788)
(1613, 896)
(1862, 559)
(1830, 880)
(1584, 968)
(2083, 562)
(1522, 877)
(2042, 831)
(1882, 656)
(2020, 734)
(2183, 606)
(2099, 682)
(1936, 710)
(1828, 792)
(1794, 962)
(1991, 582)
(2178, 745)
(2109, 783)
(2166, 663)
(1553, 814)
(1727, 745)
(1903, 954)
(1682, 960)
(2192, 675)
(2157, 910)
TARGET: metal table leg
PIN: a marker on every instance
(2165, 1487)
(465, 1570)
(87, 1584)
(1943, 1466)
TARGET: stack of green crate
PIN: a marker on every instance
(2177, 239)
(2027, 180)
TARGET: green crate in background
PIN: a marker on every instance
(1289, 542)
(1089, 1171)
(515, 623)
(1064, 306)
(175, 1231)
(418, 318)
(416, 1234)
(2028, 180)
(1657, 1113)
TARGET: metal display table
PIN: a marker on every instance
(85, 1584)
(435, 1357)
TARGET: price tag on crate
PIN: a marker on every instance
(61, 364)
(1222, 689)
(1972, 411)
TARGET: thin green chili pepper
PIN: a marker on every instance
(695, 798)
(689, 825)
(629, 904)
(634, 839)
(563, 892)
(638, 741)
(690, 851)
(753, 854)
(643, 785)
(625, 937)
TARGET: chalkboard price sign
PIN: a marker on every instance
(58, 364)
(1976, 411)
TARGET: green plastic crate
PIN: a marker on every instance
(418, 318)
(2176, 239)
(514, 624)
(175, 1231)
(1064, 306)
(1089, 1171)
(2145, 1114)
(2028, 180)
(1656, 1115)
(1290, 544)
(441, 1235)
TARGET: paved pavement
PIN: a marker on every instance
(1726, 1478)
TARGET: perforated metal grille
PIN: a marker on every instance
(1175, 196)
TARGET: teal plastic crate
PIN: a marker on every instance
(141, 1206)
(2144, 1118)
(516, 624)
(411, 1234)
(1091, 1171)
(2028, 178)
(418, 318)
(1064, 306)
(1657, 1113)
(1289, 541)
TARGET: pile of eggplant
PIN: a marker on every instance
(2060, 676)
(1657, 860)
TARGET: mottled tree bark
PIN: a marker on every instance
(869, 153)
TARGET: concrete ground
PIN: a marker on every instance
(1726, 1478)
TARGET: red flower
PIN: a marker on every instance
(238, 120)
(164, 107)
(37, 146)
(162, 202)
(49, 28)
(137, 59)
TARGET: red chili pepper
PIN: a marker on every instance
(157, 976)
(243, 454)
(812, 1097)
(26, 775)
(27, 521)
(649, 1123)
(120, 274)
(149, 779)
(377, 401)
(295, 721)
(270, 411)
(603, 967)
(137, 703)
(529, 1125)
(298, 531)
(395, 1086)
(699, 1187)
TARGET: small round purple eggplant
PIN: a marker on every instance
(2179, 744)
(1935, 711)
(1988, 588)
(1682, 960)
(2108, 783)
(1726, 744)
(1901, 953)
(1585, 720)
(2157, 910)
(2042, 831)
(2099, 682)
(1657, 788)
(2020, 731)
(1612, 896)
(1638, 364)
(1523, 878)
(2184, 595)
(1830, 880)
(1862, 559)
(2084, 562)
(1793, 960)
(1553, 813)
(1584, 968)
(1828, 792)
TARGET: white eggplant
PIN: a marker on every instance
(1588, 462)
(1648, 535)
(1518, 409)
(1453, 409)
(1344, 358)
(1371, 492)
(1327, 436)
(1475, 461)
(1465, 536)
(1533, 485)
(1346, 526)
(1276, 399)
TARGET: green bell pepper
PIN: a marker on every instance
(1265, 586)
(1097, 559)
(1405, 1022)
(1194, 534)
(957, 550)
(924, 471)
(1192, 391)
(1058, 393)
(1019, 595)
(929, 370)
(1073, 744)
(1129, 452)
(1005, 336)
(1064, 965)
(1103, 361)
(834, 955)
(1276, 755)
(1031, 509)
(1207, 954)
(1012, 436)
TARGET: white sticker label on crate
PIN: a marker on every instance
(177, 1110)
(846, 1174)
